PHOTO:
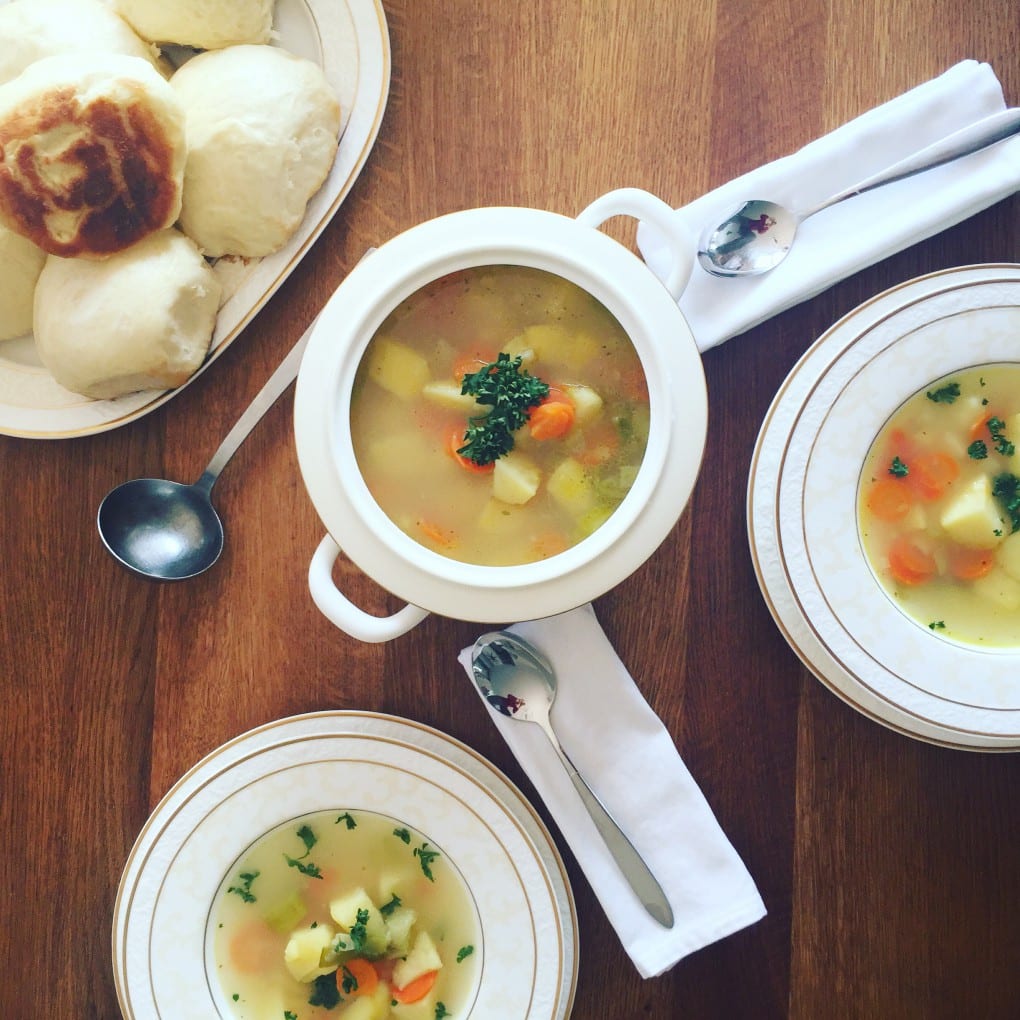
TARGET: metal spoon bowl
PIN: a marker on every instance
(169, 531)
(518, 681)
(759, 235)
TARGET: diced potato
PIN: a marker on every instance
(571, 487)
(370, 1007)
(999, 588)
(446, 393)
(1008, 555)
(587, 403)
(398, 930)
(518, 346)
(515, 478)
(286, 915)
(594, 519)
(344, 910)
(304, 951)
(422, 958)
(972, 518)
(547, 340)
(397, 368)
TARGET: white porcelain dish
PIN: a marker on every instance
(162, 960)
(644, 306)
(350, 41)
(802, 509)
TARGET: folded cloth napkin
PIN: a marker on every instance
(627, 756)
(862, 230)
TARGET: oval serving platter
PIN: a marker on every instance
(802, 499)
(162, 961)
(350, 41)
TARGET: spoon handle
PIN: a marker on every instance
(631, 863)
(286, 372)
(960, 143)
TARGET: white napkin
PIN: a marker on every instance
(862, 230)
(627, 756)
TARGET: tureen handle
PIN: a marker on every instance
(643, 205)
(343, 613)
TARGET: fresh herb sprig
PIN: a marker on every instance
(944, 394)
(1006, 489)
(511, 392)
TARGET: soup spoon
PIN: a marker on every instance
(758, 236)
(517, 680)
(169, 531)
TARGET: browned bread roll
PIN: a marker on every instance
(92, 153)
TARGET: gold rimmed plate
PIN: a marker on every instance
(803, 498)
(350, 41)
(162, 961)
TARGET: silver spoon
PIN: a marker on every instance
(170, 531)
(518, 681)
(758, 236)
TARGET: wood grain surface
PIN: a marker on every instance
(890, 868)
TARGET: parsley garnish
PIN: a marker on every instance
(348, 819)
(997, 430)
(325, 992)
(244, 889)
(288, 1015)
(425, 858)
(937, 625)
(944, 394)
(309, 869)
(307, 837)
(387, 908)
(898, 468)
(349, 982)
(464, 952)
(1006, 489)
(403, 835)
(978, 450)
(358, 935)
(511, 392)
(442, 1011)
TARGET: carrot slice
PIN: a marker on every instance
(435, 534)
(453, 443)
(361, 976)
(553, 417)
(970, 564)
(890, 498)
(909, 563)
(470, 362)
(979, 430)
(417, 989)
(932, 473)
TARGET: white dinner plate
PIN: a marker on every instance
(350, 41)
(802, 509)
(349, 760)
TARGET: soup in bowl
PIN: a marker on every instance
(500, 415)
(593, 466)
(347, 911)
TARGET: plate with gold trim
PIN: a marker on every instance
(432, 783)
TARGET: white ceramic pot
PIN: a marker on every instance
(646, 308)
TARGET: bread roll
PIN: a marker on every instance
(204, 24)
(255, 154)
(92, 153)
(139, 320)
(33, 29)
(20, 265)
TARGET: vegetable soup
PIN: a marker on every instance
(499, 415)
(349, 915)
(939, 506)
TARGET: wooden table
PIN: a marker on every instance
(890, 868)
